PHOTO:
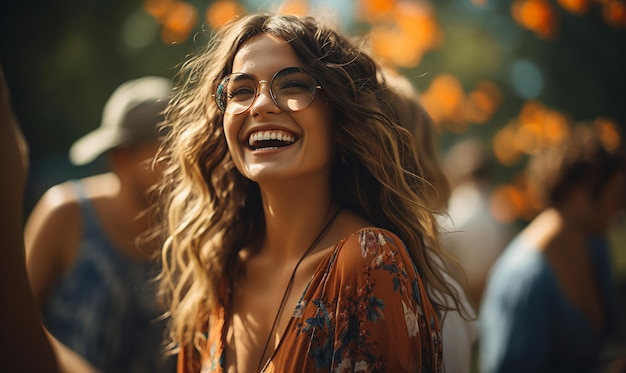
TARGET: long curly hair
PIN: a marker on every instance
(412, 115)
(210, 211)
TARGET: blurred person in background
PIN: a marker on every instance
(459, 329)
(25, 347)
(549, 304)
(89, 272)
(469, 232)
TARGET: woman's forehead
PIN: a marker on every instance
(263, 54)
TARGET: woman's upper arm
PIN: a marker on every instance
(397, 326)
(51, 237)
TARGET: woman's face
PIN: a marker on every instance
(302, 141)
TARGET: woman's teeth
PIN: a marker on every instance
(270, 139)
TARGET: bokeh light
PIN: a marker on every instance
(178, 23)
(538, 16)
(575, 6)
(159, 9)
(373, 11)
(607, 132)
(401, 32)
(295, 7)
(177, 18)
(614, 12)
(220, 12)
(139, 30)
(526, 79)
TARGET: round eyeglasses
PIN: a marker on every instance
(291, 89)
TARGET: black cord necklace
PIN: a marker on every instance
(261, 367)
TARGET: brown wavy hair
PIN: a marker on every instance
(210, 211)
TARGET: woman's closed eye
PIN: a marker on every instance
(295, 86)
(241, 93)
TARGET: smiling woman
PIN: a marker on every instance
(297, 234)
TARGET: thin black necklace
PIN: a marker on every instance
(261, 367)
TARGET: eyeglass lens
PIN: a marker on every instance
(291, 89)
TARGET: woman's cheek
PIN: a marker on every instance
(231, 132)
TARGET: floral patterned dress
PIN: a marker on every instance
(365, 310)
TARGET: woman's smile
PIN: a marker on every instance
(270, 139)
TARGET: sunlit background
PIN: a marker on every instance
(518, 74)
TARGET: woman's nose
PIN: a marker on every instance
(263, 100)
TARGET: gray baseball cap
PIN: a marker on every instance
(130, 116)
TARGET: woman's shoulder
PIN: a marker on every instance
(370, 245)
(521, 274)
(521, 261)
(371, 235)
(67, 195)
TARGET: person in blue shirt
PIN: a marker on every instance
(90, 268)
(549, 304)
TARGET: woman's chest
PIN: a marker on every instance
(264, 302)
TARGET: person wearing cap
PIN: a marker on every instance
(89, 269)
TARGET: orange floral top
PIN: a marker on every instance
(365, 310)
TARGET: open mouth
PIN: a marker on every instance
(270, 139)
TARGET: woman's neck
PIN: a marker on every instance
(293, 217)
